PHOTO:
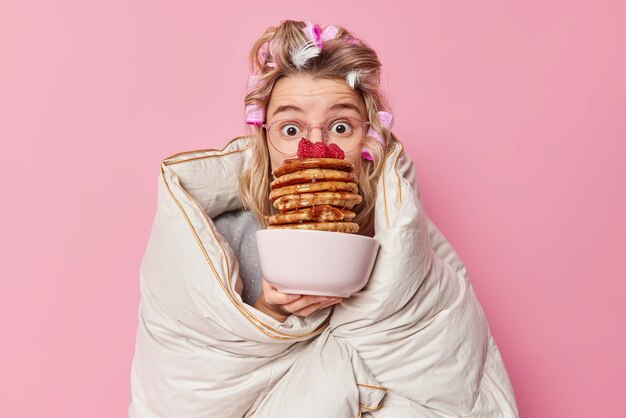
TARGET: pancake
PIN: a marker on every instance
(314, 194)
(320, 186)
(348, 227)
(296, 164)
(312, 175)
(343, 200)
(322, 213)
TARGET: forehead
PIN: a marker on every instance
(313, 95)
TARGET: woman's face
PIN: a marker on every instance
(309, 100)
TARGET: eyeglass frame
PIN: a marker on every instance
(268, 126)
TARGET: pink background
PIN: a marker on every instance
(512, 111)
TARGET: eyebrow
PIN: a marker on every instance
(286, 108)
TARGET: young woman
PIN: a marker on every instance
(214, 339)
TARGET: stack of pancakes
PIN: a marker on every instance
(314, 194)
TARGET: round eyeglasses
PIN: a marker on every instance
(346, 132)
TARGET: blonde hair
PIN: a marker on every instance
(270, 60)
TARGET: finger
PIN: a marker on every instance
(308, 310)
(274, 297)
(305, 301)
(317, 306)
(331, 303)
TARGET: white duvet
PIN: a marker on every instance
(413, 343)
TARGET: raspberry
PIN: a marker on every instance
(319, 150)
(335, 152)
(305, 148)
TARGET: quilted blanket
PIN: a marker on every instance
(413, 343)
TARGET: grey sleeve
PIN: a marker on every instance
(238, 227)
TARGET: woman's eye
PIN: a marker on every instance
(290, 129)
(341, 128)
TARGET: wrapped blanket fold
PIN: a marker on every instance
(413, 343)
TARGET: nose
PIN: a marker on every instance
(316, 135)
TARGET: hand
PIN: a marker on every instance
(281, 305)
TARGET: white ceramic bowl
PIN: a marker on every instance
(316, 262)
